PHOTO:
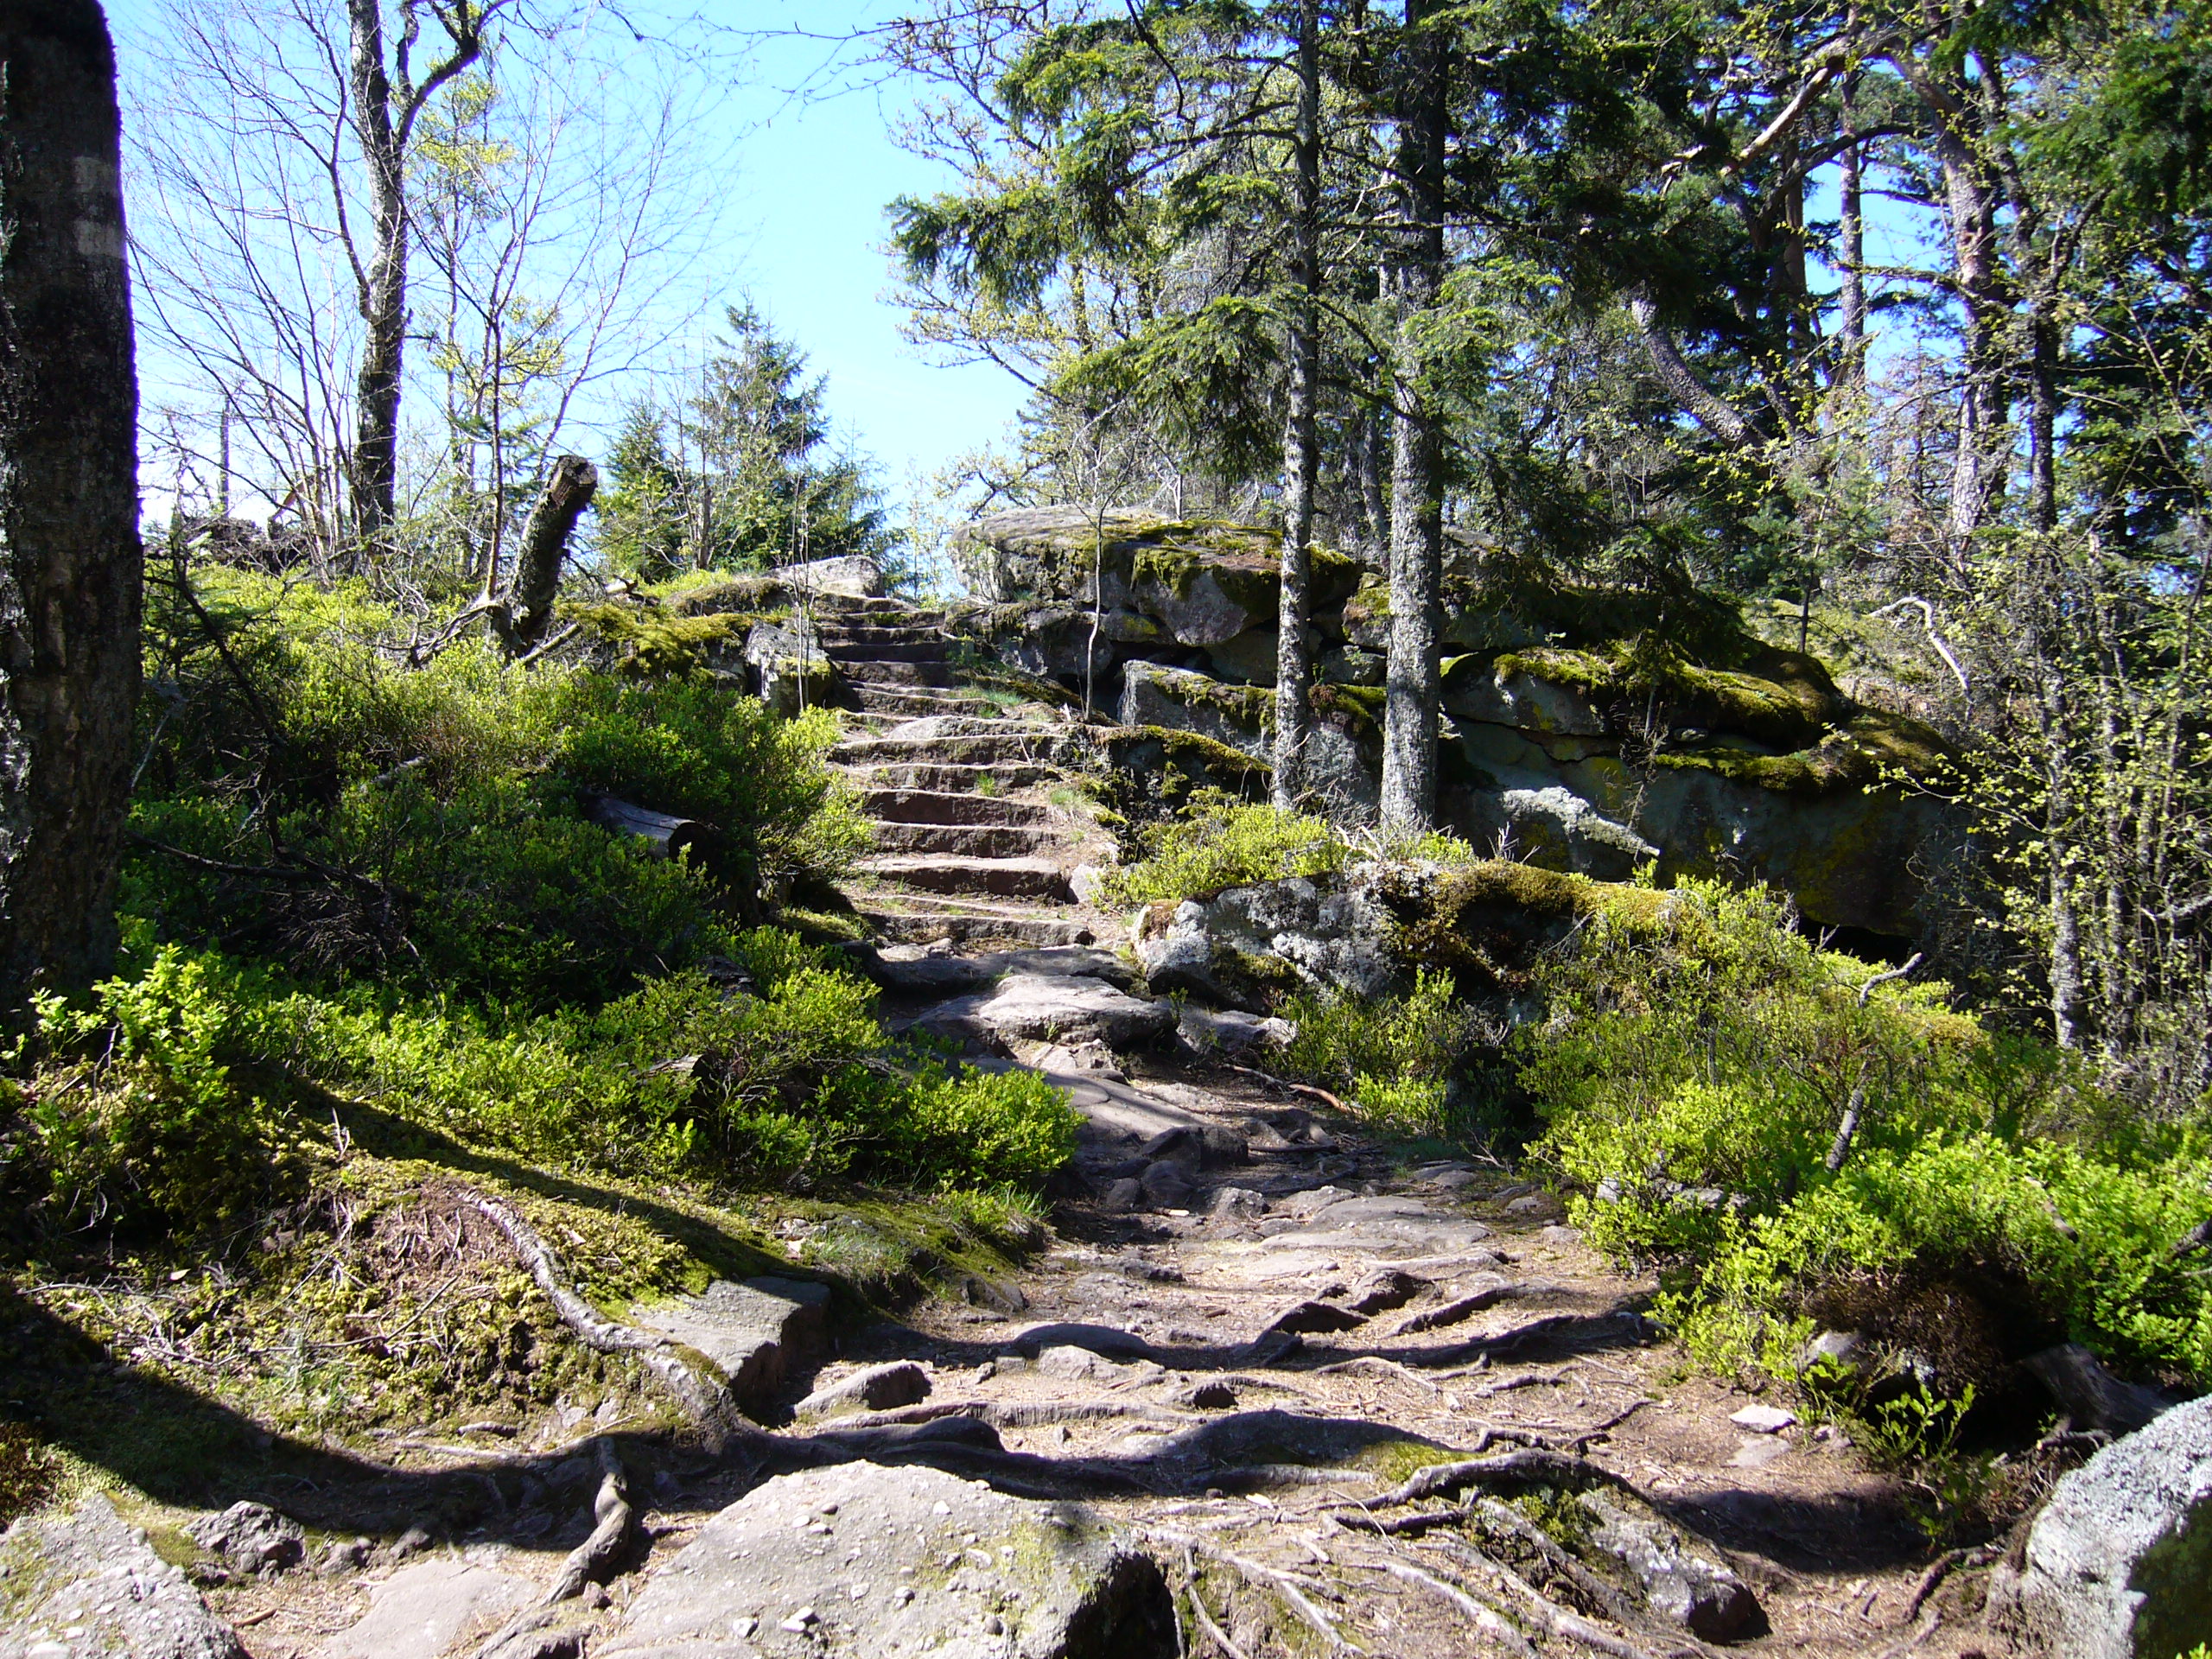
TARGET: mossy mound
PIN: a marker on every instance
(652, 641)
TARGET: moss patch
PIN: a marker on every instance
(650, 643)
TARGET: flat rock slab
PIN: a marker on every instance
(2119, 1565)
(1050, 1008)
(84, 1585)
(426, 1606)
(752, 1330)
(862, 1560)
(950, 975)
(1394, 1227)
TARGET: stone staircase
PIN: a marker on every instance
(969, 843)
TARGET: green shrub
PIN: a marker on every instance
(132, 1120)
(695, 749)
(1421, 1037)
(1695, 1071)
(1220, 846)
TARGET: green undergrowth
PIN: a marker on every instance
(1221, 843)
(1695, 1070)
(377, 946)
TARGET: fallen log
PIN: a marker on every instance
(665, 836)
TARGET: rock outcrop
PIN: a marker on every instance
(865, 1560)
(2119, 1565)
(1588, 730)
(85, 1583)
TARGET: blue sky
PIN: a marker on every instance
(807, 229)
(801, 224)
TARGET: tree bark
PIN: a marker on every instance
(385, 107)
(1302, 448)
(1682, 385)
(545, 548)
(1852, 234)
(71, 564)
(1408, 802)
(383, 279)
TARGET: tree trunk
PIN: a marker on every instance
(1301, 449)
(71, 565)
(382, 296)
(1408, 801)
(545, 548)
(1852, 234)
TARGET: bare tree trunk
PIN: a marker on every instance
(545, 548)
(1409, 800)
(71, 565)
(384, 281)
(1375, 511)
(1302, 448)
(385, 107)
(1851, 235)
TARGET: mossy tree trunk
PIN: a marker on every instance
(1409, 800)
(1300, 449)
(71, 564)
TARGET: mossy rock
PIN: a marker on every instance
(650, 642)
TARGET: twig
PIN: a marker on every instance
(1485, 1619)
(1401, 1526)
(1597, 1430)
(1214, 1633)
(1282, 1583)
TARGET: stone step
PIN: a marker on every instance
(855, 633)
(945, 806)
(950, 779)
(912, 651)
(916, 705)
(975, 926)
(968, 840)
(1001, 878)
(875, 672)
(975, 749)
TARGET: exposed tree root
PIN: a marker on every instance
(1554, 1619)
(1267, 1577)
(701, 1400)
(1614, 1605)
(594, 1561)
(1484, 1619)
(1379, 1365)
(1506, 1468)
(1940, 1569)
(1016, 1413)
(1214, 1634)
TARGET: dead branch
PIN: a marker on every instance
(1940, 1569)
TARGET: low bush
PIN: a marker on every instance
(1792, 1142)
(169, 1097)
(1221, 845)
(1402, 1060)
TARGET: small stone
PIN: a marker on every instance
(994, 1626)
(745, 1626)
(1756, 1454)
(1559, 1233)
(1764, 1419)
(1533, 1204)
(251, 1537)
(798, 1622)
(1235, 1204)
(1121, 1195)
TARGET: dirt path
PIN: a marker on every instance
(1256, 1327)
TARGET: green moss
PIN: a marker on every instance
(652, 644)
(1875, 748)
(1358, 708)
(1492, 920)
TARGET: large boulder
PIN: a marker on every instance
(1327, 932)
(865, 1560)
(86, 1584)
(1344, 764)
(2119, 1565)
(753, 1331)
